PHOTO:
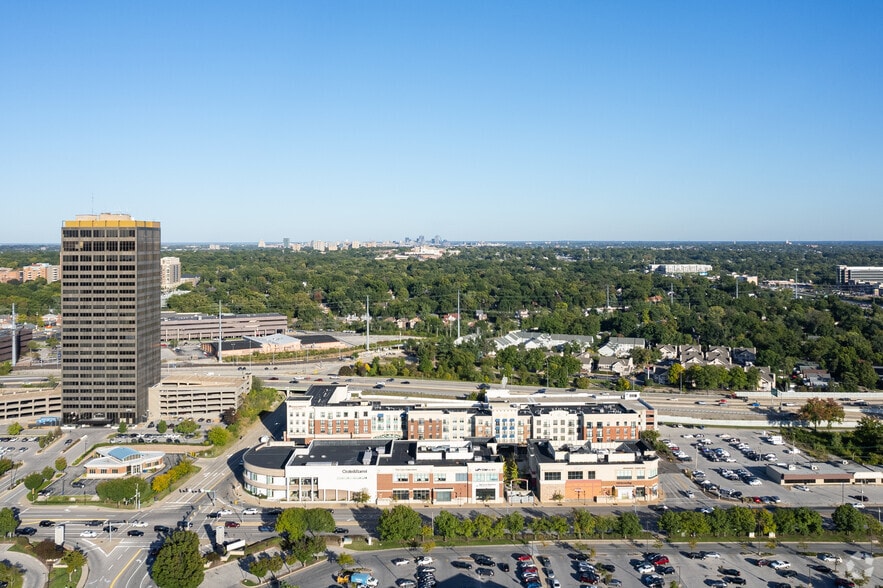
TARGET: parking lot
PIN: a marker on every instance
(754, 482)
(731, 561)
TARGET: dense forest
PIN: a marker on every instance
(552, 288)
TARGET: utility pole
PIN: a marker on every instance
(367, 323)
(220, 337)
(458, 314)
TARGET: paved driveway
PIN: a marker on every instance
(36, 575)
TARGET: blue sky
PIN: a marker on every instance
(471, 120)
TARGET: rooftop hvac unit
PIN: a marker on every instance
(814, 468)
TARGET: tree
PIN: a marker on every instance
(219, 436)
(400, 523)
(629, 524)
(8, 522)
(61, 464)
(318, 520)
(848, 519)
(362, 496)
(676, 374)
(6, 465)
(48, 473)
(510, 469)
(583, 522)
(446, 524)
(123, 490)
(34, 481)
(514, 523)
(259, 567)
(817, 410)
(74, 559)
(292, 523)
(162, 427)
(345, 560)
(47, 549)
(187, 427)
(14, 429)
(123, 427)
(275, 563)
(178, 563)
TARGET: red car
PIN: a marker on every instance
(659, 561)
(523, 557)
(231, 524)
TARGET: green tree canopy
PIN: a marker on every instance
(400, 523)
(178, 563)
(8, 522)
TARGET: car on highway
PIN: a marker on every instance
(266, 528)
(27, 531)
(250, 511)
(225, 512)
(139, 524)
(110, 529)
(341, 530)
(89, 534)
(47, 523)
(231, 524)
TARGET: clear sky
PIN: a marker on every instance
(474, 120)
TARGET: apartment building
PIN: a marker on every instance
(110, 304)
(334, 412)
(171, 272)
(593, 472)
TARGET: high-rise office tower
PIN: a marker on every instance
(110, 307)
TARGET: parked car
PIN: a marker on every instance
(134, 533)
(485, 572)
(401, 561)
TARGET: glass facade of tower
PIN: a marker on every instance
(110, 307)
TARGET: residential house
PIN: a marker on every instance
(621, 366)
(621, 346)
(744, 356)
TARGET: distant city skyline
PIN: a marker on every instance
(491, 121)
